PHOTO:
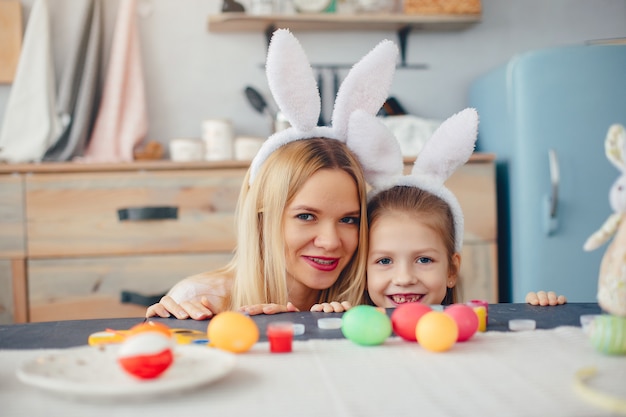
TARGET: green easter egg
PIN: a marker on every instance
(366, 325)
(608, 334)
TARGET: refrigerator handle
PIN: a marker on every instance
(551, 201)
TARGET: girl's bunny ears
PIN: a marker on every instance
(449, 147)
(360, 96)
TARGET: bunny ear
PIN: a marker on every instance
(449, 147)
(614, 146)
(292, 82)
(366, 86)
(381, 157)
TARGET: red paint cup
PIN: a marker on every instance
(280, 336)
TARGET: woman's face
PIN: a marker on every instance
(407, 262)
(321, 226)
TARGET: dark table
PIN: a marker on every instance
(63, 334)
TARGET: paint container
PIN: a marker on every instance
(280, 336)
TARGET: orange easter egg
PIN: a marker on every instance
(436, 331)
(232, 331)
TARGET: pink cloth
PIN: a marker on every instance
(122, 121)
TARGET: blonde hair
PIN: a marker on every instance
(259, 264)
(428, 208)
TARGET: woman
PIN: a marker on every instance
(301, 214)
(299, 231)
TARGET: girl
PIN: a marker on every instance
(301, 213)
(416, 225)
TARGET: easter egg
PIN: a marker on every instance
(436, 331)
(232, 331)
(405, 317)
(466, 320)
(151, 326)
(366, 325)
(608, 334)
(146, 355)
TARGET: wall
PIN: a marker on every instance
(193, 75)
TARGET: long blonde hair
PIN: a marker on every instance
(427, 208)
(259, 264)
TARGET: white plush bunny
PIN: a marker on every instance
(447, 149)
(362, 93)
(612, 279)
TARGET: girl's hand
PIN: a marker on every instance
(256, 309)
(333, 307)
(196, 309)
(542, 298)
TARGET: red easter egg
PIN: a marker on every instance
(405, 317)
(146, 355)
(466, 319)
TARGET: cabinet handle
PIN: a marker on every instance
(131, 297)
(147, 213)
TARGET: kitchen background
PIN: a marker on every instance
(60, 264)
(192, 74)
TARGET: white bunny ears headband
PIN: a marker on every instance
(360, 96)
(447, 149)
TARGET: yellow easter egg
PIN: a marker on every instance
(232, 331)
(436, 331)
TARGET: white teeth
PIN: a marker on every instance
(322, 262)
(400, 299)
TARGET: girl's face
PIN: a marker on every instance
(407, 262)
(321, 226)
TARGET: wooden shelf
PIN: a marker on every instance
(239, 22)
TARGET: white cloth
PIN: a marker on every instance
(31, 123)
(493, 374)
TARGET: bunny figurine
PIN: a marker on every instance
(612, 278)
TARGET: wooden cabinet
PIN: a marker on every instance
(66, 254)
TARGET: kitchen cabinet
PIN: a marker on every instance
(65, 252)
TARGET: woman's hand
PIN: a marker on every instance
(256, 309)
(542, 298)
(198, 309)
(333, 307)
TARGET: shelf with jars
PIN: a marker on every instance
(241, 21)
(265, 20)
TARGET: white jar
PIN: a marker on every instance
(246, 147)
(218, 136)
(186, 149)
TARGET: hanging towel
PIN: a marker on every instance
(122, 121)
(30, 120)
(77, 97)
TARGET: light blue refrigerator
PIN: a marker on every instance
(545, 115)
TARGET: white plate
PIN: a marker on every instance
(93, 372)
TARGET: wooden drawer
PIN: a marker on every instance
(479, 271)
(76, 214)
(12, 241)
(86, 288)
